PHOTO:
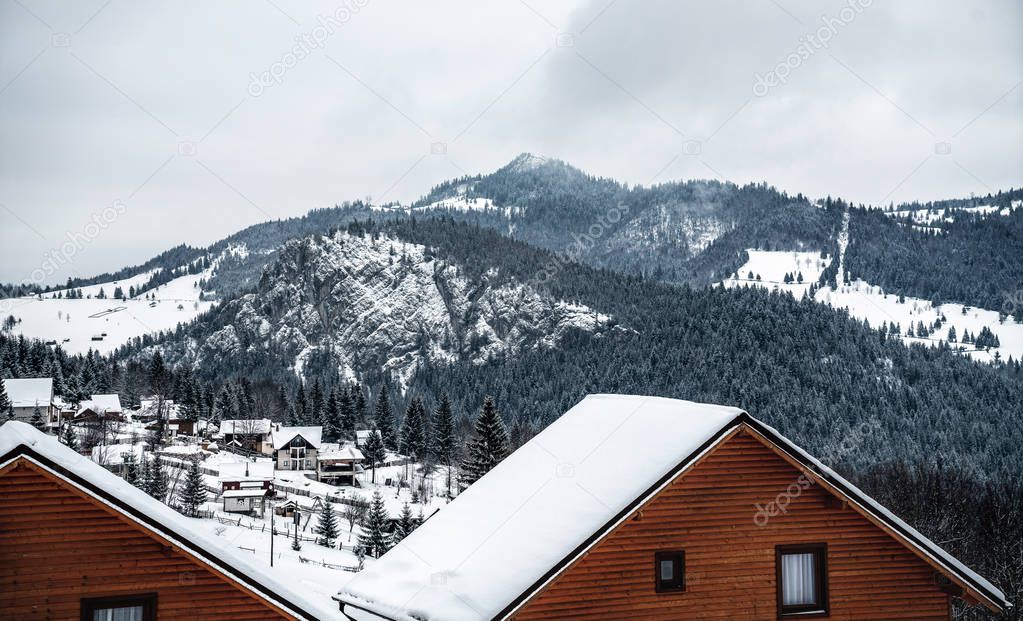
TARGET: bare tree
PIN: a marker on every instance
(354, 511)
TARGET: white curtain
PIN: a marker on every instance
(798, 577)
(132, 613)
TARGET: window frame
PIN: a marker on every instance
(821, 608)
(678, 559)
(90, 605)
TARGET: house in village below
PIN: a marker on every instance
(251, 435)
(131, 558)
(106, 407)
(26, 394)
(245, 486)
(713, 515)
(295, 448)
(338, 464)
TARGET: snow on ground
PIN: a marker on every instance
(108, 287)
(772, 266)
(927, 217)
(865, 301)
(105, 324)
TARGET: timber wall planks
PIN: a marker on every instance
(58, 545)
(730, 561)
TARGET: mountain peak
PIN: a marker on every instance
(528, 161)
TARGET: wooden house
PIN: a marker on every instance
(79, 542)
(252, 435)
(651, 508)
(26, 394)
(295, 448)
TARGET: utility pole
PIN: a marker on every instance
(271, 535)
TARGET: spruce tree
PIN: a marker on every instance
(412, 438)
(131, 468)
(489, 446)
(374, 539)
(443, 432)
(332, 418)
(358, 403)
(404, 525)
(374, 452)
(6, 407)
(346, 417)
(69, 437)
(193, 493)
(327, 526)
(142, 478)
(158, 480)
(37, 419)
(384, 422)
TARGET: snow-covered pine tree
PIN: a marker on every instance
(413, 440)
(131, 468)
(159, 482)
(374, 452)
(69, 437)
(6, 407)
(346, 416)
(332, 418)
(374, 539)
(193, 492)
(489, 446)
(443, 442)
(142, 475)
(37, 419)
(384, 422)
(327, 526)
(404, 525)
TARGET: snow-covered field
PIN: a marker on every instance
(869, 302)
(928, 217)
(768, 269)
(103, 325)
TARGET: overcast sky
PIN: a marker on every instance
(164, 123)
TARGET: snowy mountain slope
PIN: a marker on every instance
(363, 304)
(104, 324)
(872, 304)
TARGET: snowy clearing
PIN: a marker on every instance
(869, 302)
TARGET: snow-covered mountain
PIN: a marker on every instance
(369, 304)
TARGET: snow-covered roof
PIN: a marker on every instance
(102, 403)
(19, 439)
(282, 435)
(244, 493)
(236, 471)
(27, 392)
(255, 426)
(345, 452)
(534, 512)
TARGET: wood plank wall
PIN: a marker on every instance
(58, 546)
(730, 560)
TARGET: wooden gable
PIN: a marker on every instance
(59, 544)
(717, 512)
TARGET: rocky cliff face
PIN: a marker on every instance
(383, 304)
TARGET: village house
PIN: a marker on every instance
(131, 558)
(295, 448)
(99, 407)
(338, 464)
(28, 393)
(713, 515)
(251, 435)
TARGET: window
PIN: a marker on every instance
(669, 571)
(122, 608)
(802, 579)
(287, 463)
